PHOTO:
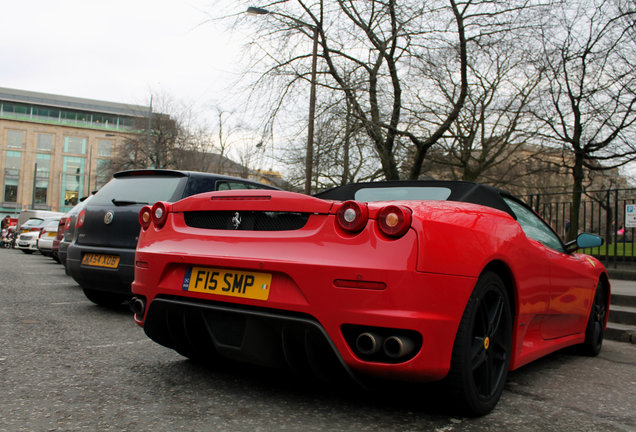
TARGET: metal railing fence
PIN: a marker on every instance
(602, 212)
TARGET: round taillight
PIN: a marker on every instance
(394, 221)
(81, 217)
(67, 224)
(159, 213)
(352, 216)
(145, 217)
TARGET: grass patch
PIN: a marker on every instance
(622, 249)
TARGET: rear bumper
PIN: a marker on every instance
(45, 245)
(430, 305)
(115, 280)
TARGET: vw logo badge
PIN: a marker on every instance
(108, 217)
(236, 220)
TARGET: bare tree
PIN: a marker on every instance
(377, 56)
(155, 145)
(589, 102)
(495, 126)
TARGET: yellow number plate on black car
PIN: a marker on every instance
(99, 260)
(235, 283)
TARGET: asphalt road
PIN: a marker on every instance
(66, 364)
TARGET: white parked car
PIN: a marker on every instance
(47, 235)
(27, 240)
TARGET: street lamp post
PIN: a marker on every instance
(309, 153)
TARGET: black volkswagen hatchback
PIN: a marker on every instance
(101, 257)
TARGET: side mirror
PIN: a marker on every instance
(584, 241)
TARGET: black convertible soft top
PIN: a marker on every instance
(461, 191)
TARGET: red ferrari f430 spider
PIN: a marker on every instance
(413, 281)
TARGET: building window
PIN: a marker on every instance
(104, 148)
(41, 190)
(10, 190)
(72, 181)
(15, 139)
(75, 145)
(44, 166)
(45, 142)
(14, 108)
(12, 164)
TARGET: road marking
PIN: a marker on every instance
(68, 303)
(115, 345)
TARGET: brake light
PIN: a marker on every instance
(81, 217)
(67, 224)
(352, 216)
(145, 217)
(394, 221)
(159, 213)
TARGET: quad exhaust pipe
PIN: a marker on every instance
(395, 347)
(398, 346)
(368, 343)
(137, 306)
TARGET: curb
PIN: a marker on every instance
(624, 274)
(620, 333)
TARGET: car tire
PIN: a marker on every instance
(481, 353)
(595, 329)
(103, 298)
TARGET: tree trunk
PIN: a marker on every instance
(577, 192)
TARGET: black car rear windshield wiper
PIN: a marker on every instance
(125, 202)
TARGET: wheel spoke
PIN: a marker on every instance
(499, 352)
(482, 318)
(487, 384)
(479, 357)
(495, 317)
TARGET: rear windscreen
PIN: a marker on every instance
(33, 222)
(140, 190)
(402, 193)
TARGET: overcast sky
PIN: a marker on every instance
(119, 50)
(124, 50)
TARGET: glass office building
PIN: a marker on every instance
(56, 149)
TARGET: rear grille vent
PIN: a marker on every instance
(246, 220)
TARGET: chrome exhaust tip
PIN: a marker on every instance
(137, 306)
(398, 346)
(368, 343)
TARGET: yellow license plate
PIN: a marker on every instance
(99, 260)
(52, 234)
(235, 283)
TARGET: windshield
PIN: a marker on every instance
(402, 193)
(139, 190)
(32, 222)
(52, 225)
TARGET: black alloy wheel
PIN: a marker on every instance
(595, 330)
(481, 354)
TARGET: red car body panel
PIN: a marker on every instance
(421, 281)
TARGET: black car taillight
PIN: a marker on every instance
(145, 217)
(394, 221)
(81, 217)
(159, 213)
(352, 216)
